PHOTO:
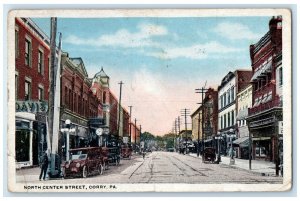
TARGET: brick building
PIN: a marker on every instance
(32, 54)
(206, 116)
(230, 86)
(265, 115)
(78, 103)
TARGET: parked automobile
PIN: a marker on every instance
(209, 154)
(84, 162)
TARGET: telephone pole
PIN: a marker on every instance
(202, 90)
(135, 135)
(130, 108)
(140, 136)
(184, 113)
(119, 113)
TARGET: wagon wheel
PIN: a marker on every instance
(64, 173)
(100, 169)
(84, 172)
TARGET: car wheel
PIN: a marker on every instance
(100, 169)
(84, 172)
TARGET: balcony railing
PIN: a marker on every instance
(265, 106)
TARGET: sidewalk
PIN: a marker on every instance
(264, 168)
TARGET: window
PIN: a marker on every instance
(221, 122)
(229, 99)
(41, 93)
(16, 43)
(232, 117)
(66, 96)
(232, 94)
(104, 97)
(225, 121)
(280, 76)
(27, 90)
(228, 116)
(70, 99)
(40, 62)
(27, 52)
(16, 86)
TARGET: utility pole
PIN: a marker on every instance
(175, 134)
(52, 91)
(130, 108)
(119, 114)
(178, 124)
(135, 135)
(52, 75)
(198, 141)
(202, 90)
(185, 112)
(140, 136)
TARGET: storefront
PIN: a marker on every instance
(31, 133)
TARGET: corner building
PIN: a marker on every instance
(265, 115)
(32, 53)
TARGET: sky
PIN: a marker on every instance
(161, 60)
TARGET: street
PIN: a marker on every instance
(161, 167)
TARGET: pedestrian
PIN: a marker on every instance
(144, 153)
(44, 166)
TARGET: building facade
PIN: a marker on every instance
(231, 84)
(78, 103)
(210, 117)
(265, 114)
(244, 102)
(32, 54)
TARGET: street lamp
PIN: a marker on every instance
(232, 161)
(218, 138)
(67, 130)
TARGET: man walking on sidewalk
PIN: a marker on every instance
(44, 166)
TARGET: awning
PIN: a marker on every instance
(262, 71)
(242, 142)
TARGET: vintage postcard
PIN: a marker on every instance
(149, 100)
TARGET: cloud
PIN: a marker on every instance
(123, 37)
(198, 51)
(234, 31)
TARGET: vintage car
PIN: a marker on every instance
(114, 155)
(126, 152)
(84, 162)
(209, 154)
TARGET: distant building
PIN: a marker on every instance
(265, 114)
(231, 84)
(244, 102)
(206, 116)
(32, 54)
